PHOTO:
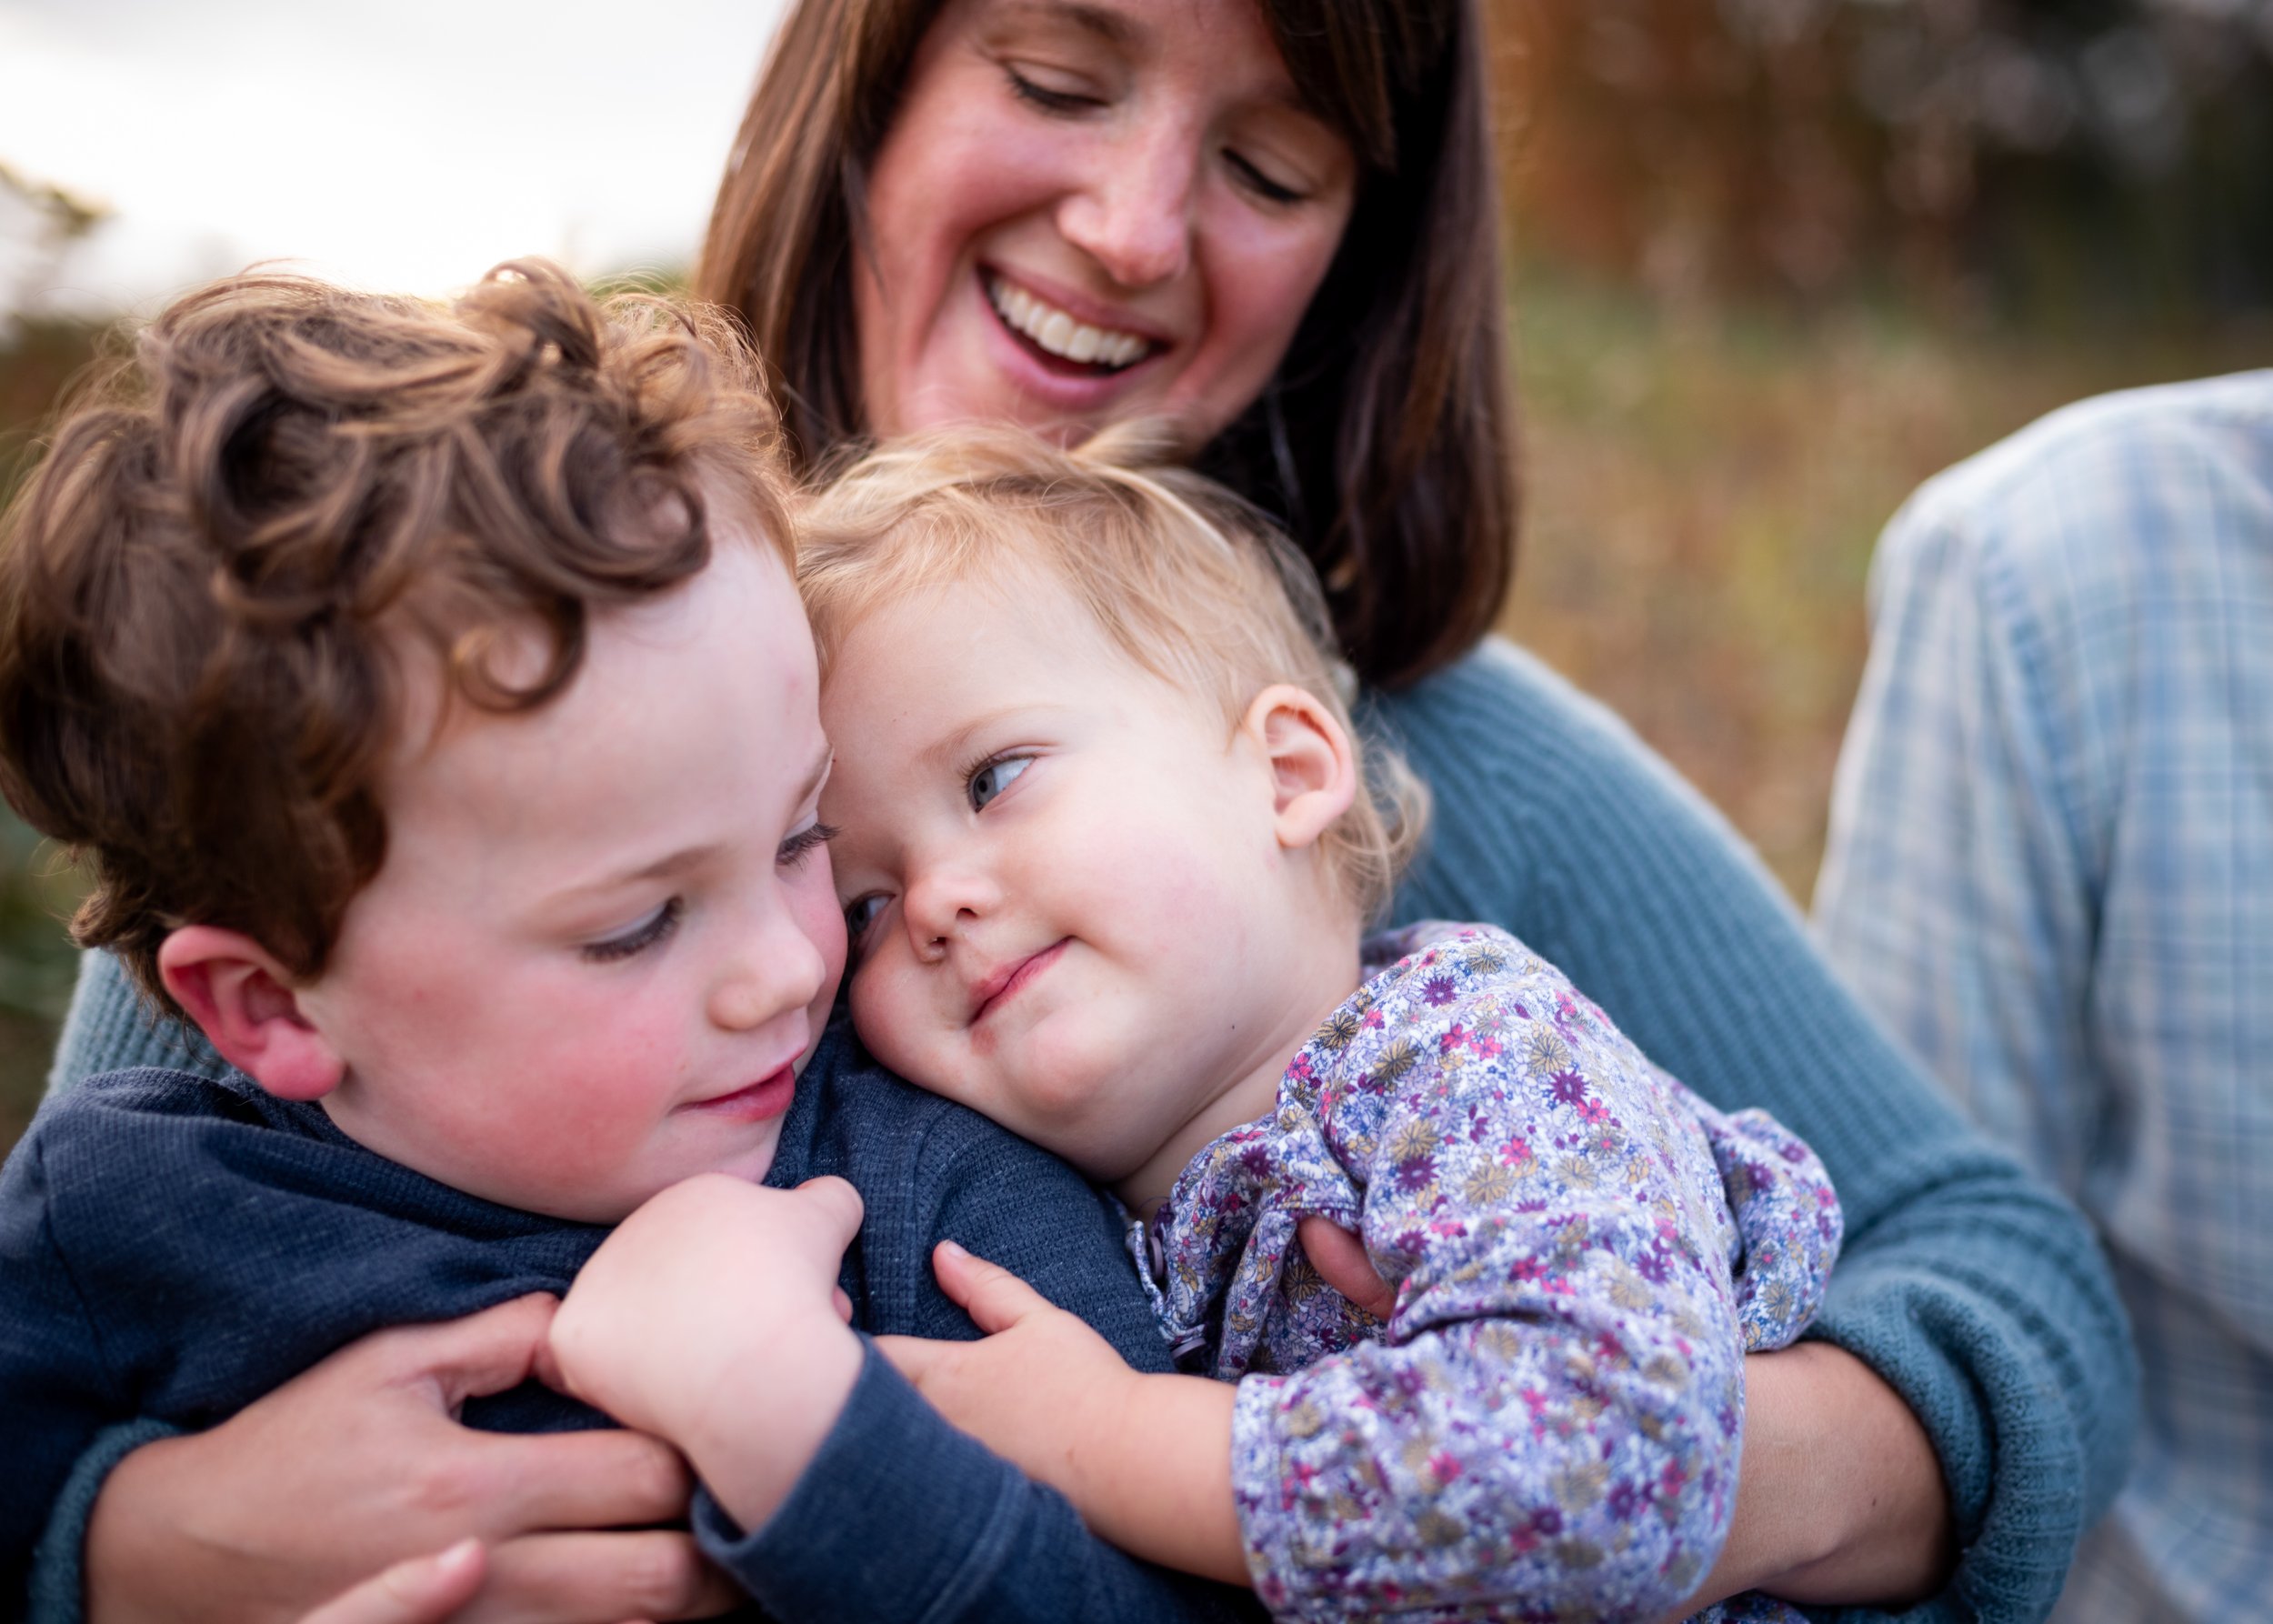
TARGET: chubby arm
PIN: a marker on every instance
(834, 1491)
(1971, 1292)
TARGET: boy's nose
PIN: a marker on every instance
(782, 971)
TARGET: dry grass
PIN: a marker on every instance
(1705, 488)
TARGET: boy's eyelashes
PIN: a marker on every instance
(805, 842)
(654, 928)
(657, 926)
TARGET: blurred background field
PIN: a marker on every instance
(1777, 262)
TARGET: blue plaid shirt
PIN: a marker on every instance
(2051, 870)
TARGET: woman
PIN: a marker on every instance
(1278, 222)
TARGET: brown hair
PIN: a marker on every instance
(1190, 582)
(207, 587)
(1385, 444)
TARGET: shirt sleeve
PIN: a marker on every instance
(1955, 896)
(109, 1027)
(900, 1517)
(1969, 1287)
(902, 1520)
(2051, 871)
(1553, 1416)
(56, 1393)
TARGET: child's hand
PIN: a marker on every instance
(1145, 1460)
(1340, 1258)
(711, 1319)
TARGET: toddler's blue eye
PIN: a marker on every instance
(993, 778)
(860, 913)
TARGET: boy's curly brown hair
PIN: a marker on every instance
(209, 586)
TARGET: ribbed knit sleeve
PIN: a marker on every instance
(1973, 1290)
(110, 1029)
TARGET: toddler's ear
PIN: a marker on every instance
(242, 999)
(1313, 775)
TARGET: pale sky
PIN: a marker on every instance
(405, 146)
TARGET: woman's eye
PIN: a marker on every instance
(1049, 98)
(641, 936)
(860, 913)
(805, 843)
(1260, 184)
(994, 777)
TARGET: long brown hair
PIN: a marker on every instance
(1385, 444)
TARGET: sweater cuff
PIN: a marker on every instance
(894, 1520)
(58, 1591)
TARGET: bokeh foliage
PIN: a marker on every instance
(2069, 161)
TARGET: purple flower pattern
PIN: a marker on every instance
(1582, 1250)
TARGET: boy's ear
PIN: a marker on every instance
(242, 999)
(1314, 773)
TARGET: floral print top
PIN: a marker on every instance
(1582, 1250)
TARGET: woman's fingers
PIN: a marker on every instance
(600, 1579)
(1340, 1258)
(483, 1353)
(600, 1479)
(422, 1590)
(993, 1297)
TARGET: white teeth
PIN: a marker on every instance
(1060, 333)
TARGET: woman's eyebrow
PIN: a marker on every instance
(1115, 27)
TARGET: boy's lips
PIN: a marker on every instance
(768, 1096)
(993, 989)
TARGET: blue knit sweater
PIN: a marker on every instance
(173, 1245)
(1974, 1291)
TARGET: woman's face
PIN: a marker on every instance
(1085, 210)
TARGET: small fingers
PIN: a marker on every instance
(993, 1297)
(842, 1303)
(912, 1357)
(1341, 1261)
(839, 1200)
(422, 1590)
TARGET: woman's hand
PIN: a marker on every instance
(1840, 1498)
(423, 1590)
(358, 1464)
(1145, 1460)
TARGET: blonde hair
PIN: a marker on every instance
(1189, 580)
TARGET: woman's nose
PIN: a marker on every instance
(778, 968)
(1134, 216)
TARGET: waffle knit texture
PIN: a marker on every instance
(172, 1247)
(1972, 1288)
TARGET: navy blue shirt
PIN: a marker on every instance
(173, 1245)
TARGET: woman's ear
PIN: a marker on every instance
(1314, 773)
(242, 999)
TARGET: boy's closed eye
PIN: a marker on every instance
(654, 927)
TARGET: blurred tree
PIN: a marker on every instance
(39, 224)
(2060, 158)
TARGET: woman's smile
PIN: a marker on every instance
(1080, 214)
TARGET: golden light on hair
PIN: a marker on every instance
(1188, 581)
